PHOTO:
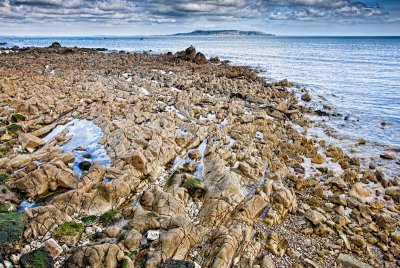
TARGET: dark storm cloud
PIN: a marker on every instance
(158, 11)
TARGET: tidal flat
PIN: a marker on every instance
(185, 162)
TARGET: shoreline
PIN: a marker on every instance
(259, 192)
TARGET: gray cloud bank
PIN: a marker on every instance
(158, 11)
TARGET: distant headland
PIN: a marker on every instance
(223, 32)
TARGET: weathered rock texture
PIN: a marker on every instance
(206, 168)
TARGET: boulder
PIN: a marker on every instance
(96, 256)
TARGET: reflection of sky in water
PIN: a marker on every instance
(84, 134)
(87, 135)
(26, 204)
(199, 172)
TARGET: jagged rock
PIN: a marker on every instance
(349, 261)
(132, 240)
(318, 159)
(200, 58)
(282, 200)
(47, 177)
(276, 244)
(394, 192)
(104, 255)
(315, 217)
(53, 248)
(136, 159)
(29, 141)
(267, 262)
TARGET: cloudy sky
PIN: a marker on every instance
(150, 17)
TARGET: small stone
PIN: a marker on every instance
(308, 231)
(153, 235)
(306, 97)
(359, 241)
(294, 254)
(53, 248)
(113, 231)
(194, 154)
(315, 217)
(318, 159)
(136, 159)
(85, 165)
(8, 264)
(311, 263)
(267, 262)
(388, 156)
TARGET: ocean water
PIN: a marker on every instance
(358, 76)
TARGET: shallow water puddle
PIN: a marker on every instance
(26, 204)
(210, 116)
(223, 123)
(199, 172)
(86, 135)
(172, 108)
(144, 91)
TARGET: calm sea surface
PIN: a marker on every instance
(358, 76)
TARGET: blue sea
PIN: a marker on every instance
(358, 76)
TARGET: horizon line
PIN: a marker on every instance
(174, 35)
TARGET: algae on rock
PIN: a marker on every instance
(37, 259)
(69, 232)
(12, 225)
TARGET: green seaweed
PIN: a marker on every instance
(171, 180)
(37, 259)
(108, 217)
(192, 184)
(69, 228)
(3, 208)
(125, 263)
(17, 117)
(12, 225)
(3, 177)
(13, 128)
(89, 219)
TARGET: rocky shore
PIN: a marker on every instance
(173, 160)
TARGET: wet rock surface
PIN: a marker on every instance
(198, 164)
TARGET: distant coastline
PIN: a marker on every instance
(223, 33)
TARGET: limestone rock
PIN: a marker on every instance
(349, 261)
(53, 248)
(29, 141)
(315, 217)
(97, 256)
